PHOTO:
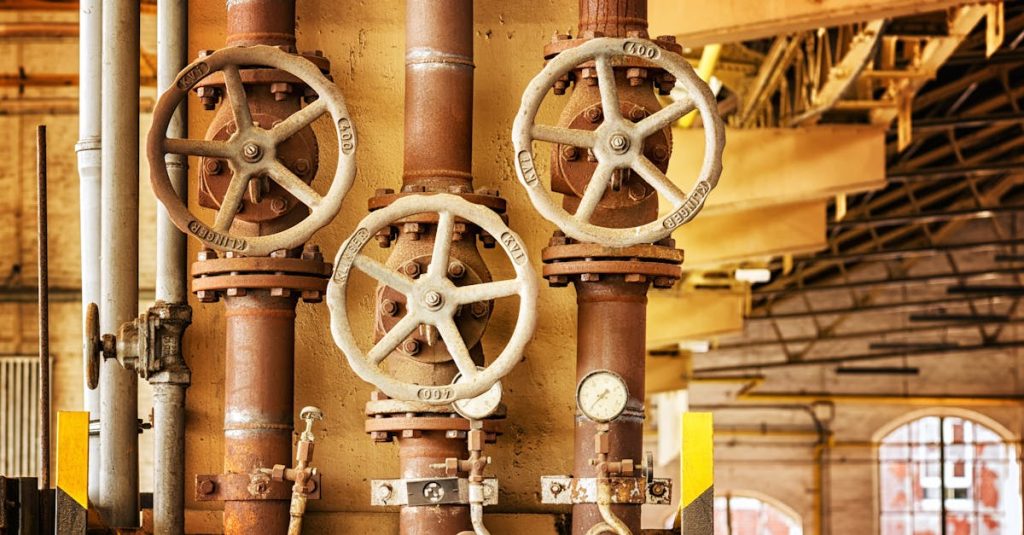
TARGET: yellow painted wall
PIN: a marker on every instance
(365, 43)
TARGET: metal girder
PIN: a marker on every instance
(968, 121)
(714, 239)
(927, 217)
(902, 306)
(957, 171)
(989, 346)
(891, 281)
(770, 166)
(909, 252)
(697, 23)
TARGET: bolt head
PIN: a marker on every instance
(206, 254)
(456, 269)
(411, 269)
(479, 309)
(206, 487)
(389, 307)
(594, 115)
(301, 166)
(251, 152)
(411, 346)
(619, 143)
(660, 153)
(278, 205)
(213, 166)
(570, 153)
(433, 299)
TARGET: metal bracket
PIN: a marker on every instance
(428, 491)
(567, 490)
(249, 487)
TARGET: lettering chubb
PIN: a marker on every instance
(211, 236)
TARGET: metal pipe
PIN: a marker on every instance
(119, 249)
(90, 20)
(439, 94)
(261, 22)
(610, 335)
(170, 385)
(258, 406)
(44, 311)
(417, 454)
(614, 18)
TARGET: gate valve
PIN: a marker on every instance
(302, 474)
(151, 343)
(618, 142)
(251, 151)
(432, 299)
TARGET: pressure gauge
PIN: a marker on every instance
(481, 406)
(602, 396)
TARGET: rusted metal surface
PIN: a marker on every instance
(249, 487)
(613, 18)
(439, 93)
(417, 453)
(258, 403)
(43, 234)
(282, 274)
(611, 336)
(261, 22)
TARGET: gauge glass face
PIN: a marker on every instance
(602, 396)
(481, 406)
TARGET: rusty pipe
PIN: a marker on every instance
(261, 22)
(258, 406)
(613, 18)
(417, 455)
(611, 335)
(439, 94)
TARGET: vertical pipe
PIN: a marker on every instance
(258, 403)
(90, 21)
(611, 335)
(119, 249)
(416, 454)
(169, 388)
(439, 93)
(614, 18)
(44, 311)
(261, 22)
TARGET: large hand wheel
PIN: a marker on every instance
(433, 299)
(251, 150)
(618, 142)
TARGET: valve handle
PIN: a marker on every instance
(251, 150)
(310, 414)
(432, 299)
(618, 142)
(93, 346)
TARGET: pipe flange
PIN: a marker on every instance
(562, 42)
(618, 143)
(485, 197)
(432, 299)
(251, 150)
(385, 429)
(279, 274)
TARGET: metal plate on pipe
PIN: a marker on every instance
(428, 491)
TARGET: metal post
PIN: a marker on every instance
(44, 312)
(169, 386)
(119, 430)
(88, 148)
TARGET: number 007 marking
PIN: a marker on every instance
(441, 393)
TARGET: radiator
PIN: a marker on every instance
(19, 416)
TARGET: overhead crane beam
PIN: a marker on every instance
(699, 23)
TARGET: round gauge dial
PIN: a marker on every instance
(602, 396)
(481, 406)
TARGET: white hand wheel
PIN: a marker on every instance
(251, 150)
(433, 299)
(618, 142)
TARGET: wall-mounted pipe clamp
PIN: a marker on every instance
(251, 151)
(618, 142)
(429, 491)
(567, 490)
(432, 299)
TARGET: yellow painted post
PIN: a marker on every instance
(705, 69)
(72, 472)
(698, 474)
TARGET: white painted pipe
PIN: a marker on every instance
(119, 251)
(90, 21)
(171, 286)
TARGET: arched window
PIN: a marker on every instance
(948, 470)
(747, 515)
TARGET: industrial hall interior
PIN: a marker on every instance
(511, 267)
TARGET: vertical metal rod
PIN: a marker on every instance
(44, 311)
(90, 21)
(119, 431)
(169, 387)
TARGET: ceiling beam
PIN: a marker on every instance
(697, 23)
(900, 306)
(891, 281)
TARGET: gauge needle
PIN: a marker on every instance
(603, 395)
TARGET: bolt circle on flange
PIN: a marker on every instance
(250, 151)
(617, 142)
(424, 307)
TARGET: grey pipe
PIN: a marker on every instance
(90, 21)
(170, 385)
(119, 249)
